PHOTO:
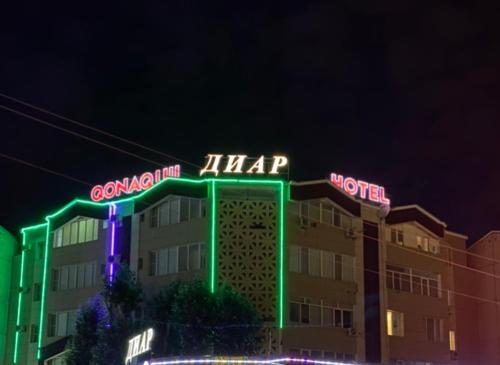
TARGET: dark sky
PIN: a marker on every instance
(403, 93)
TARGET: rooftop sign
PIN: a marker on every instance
(116, 188)
(362, 189)
(243, 165)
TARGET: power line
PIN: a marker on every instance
(44, 169)
(82, 136)
(449, 248)
(97, 130)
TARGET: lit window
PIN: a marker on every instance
(78, 231)
(395, 323)
(453, 346)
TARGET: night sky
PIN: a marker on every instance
(401, 93)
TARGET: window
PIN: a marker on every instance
(314, 262)
(453, 345)
(36, 292)
(338, 267)
(321, 263)
(33, 333)
(304, 261)
(170, 260)
(434, 329)
(61, 324)
(51, 325)
(327, 264)
(413, 281)
(177, 209)
(395, 323)
(76, 276)
(183, 258)
(319, 314)
(78, 231)
(397, 236)
(293, 261)
(425, 244)
(40, 246)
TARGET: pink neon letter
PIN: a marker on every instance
(134, 185)
(350, 186)
(96, 194)
(373, 193)
(337, 180)
(383, 199)
(109, 190)
(122, 186)
(146, 180)
(363, 186)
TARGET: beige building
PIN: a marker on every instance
(332, 276)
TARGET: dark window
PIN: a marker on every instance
(304, 313)
(405, 285)
(51, 325)
(338, 318)
(294, 312)
(183, 258)
(154, 218)
(338, 267)
(184, 209)
(304, 258)
(54, 279)
(141, 217)
(336, 217)
(36, 292)
(34, 333)
(152, 263)
(347, 319)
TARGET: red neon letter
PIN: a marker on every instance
(337, 180)
(350, 186)
(373, 193)
(177, 170)
(134, 185)
(96, 194)
(157, 176)
(122, 186)
(363, 186)
(109, 190)
(383, 199)
(146, 180)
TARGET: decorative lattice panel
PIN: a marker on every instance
(247, 240)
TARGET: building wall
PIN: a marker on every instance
(247, 243)
(487, 287)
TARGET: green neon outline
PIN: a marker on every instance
(213, 235)
(280, 317)
(24, 232)
(44, 291)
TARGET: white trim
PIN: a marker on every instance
(456, 234)
(422, 210)
(484, 237)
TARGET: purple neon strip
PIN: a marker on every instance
(112, 217)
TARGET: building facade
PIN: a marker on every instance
(332, 276)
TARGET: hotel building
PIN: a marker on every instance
(332, 275)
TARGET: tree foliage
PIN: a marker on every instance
(196, 321)
(87, 323)
(108, 335)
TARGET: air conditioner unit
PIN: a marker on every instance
(351, 332)
(349, 233)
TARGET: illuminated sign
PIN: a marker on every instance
(113, 189)
(372, 192)
(241, 164)
(139, 344)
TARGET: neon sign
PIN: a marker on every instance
(113, 189)
(139, 344)
(372, 192)
(235, 164)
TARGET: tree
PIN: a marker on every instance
(87, 322)
(123, 296)
(199, 322)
